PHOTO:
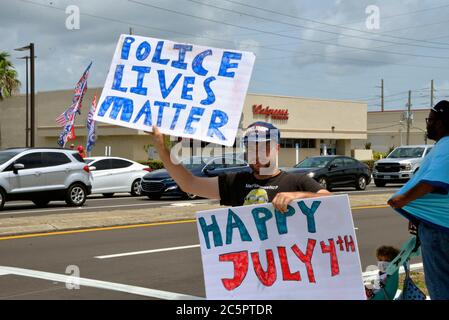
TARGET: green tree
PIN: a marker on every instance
(9, 82)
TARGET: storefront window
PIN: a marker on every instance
(303, 143)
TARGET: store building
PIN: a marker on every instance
(308, 126)
(388, 129)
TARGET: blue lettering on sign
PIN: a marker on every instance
(187, 87)
(178, 108)
(183, 48)
(164, 91)
(309, 213)
(124, 105)
(234, 221)
(157, 54)
(143, 51)
(214, 228)
(139, 89)
(118, 75)
(127, 47)
(217, 120)
(197, 63)
(160, 114)
(281, 219)
(226, 63)
(210, 94)
(145, 111)
(194, 116)
(261, 221)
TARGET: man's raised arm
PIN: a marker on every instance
(203, 187)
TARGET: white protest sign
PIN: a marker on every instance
(254, 252)
(186, 90)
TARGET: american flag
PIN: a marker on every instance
(91, 126)
(68, 133)
(80, 89)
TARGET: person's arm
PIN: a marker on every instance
(282, 199)
(414, 193)
(200, 186)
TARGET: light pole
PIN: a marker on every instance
(30, 47)
(425, 134)
(26, 105)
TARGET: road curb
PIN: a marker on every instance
(32, 225)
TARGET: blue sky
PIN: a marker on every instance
(317, 49)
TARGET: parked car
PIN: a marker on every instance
(42, 175)
(159, 183)
(112, 175)
(335, 171)
(400, 165)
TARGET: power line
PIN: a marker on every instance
(402, 14)
(128, 23)
(281, 35)
(310, 28)
(319, 22)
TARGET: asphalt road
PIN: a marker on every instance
(155, 275)
(125, 201)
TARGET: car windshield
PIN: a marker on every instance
(88, 160)
(317, 162)
(7, 155)
(194, 162)
(406, 153)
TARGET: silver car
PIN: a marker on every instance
(42, 175)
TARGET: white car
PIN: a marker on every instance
(112, 175)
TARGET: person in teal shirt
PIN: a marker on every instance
(424, 200)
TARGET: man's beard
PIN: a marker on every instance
(431, 133)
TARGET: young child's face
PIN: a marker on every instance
(382, 263)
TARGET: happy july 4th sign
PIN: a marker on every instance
(255, 252)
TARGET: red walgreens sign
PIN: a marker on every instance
(278, 114)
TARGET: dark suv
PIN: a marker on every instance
(159, 183)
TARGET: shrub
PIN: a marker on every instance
(153, 164)
(369, 163)
(379, 155)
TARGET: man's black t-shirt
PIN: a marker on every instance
(235, 188)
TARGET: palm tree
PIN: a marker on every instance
(9, 83)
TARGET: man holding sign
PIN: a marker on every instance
(197, 92)
(265, 184)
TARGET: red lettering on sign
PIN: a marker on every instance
(286, 273)
(335, 269)
(278, 114)
(349, 244)
(307, 258)
(340, 243)
(240, 260)
(266, 277)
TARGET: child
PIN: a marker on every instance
(384, 254)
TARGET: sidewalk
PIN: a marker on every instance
(75, 221)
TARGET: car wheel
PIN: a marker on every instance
(324, 183)
(135, 188)
(154, 197)
(41, 202)
(76, 195)
(360, 183)
(108, 195)
(2, 198)
(379, 183)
